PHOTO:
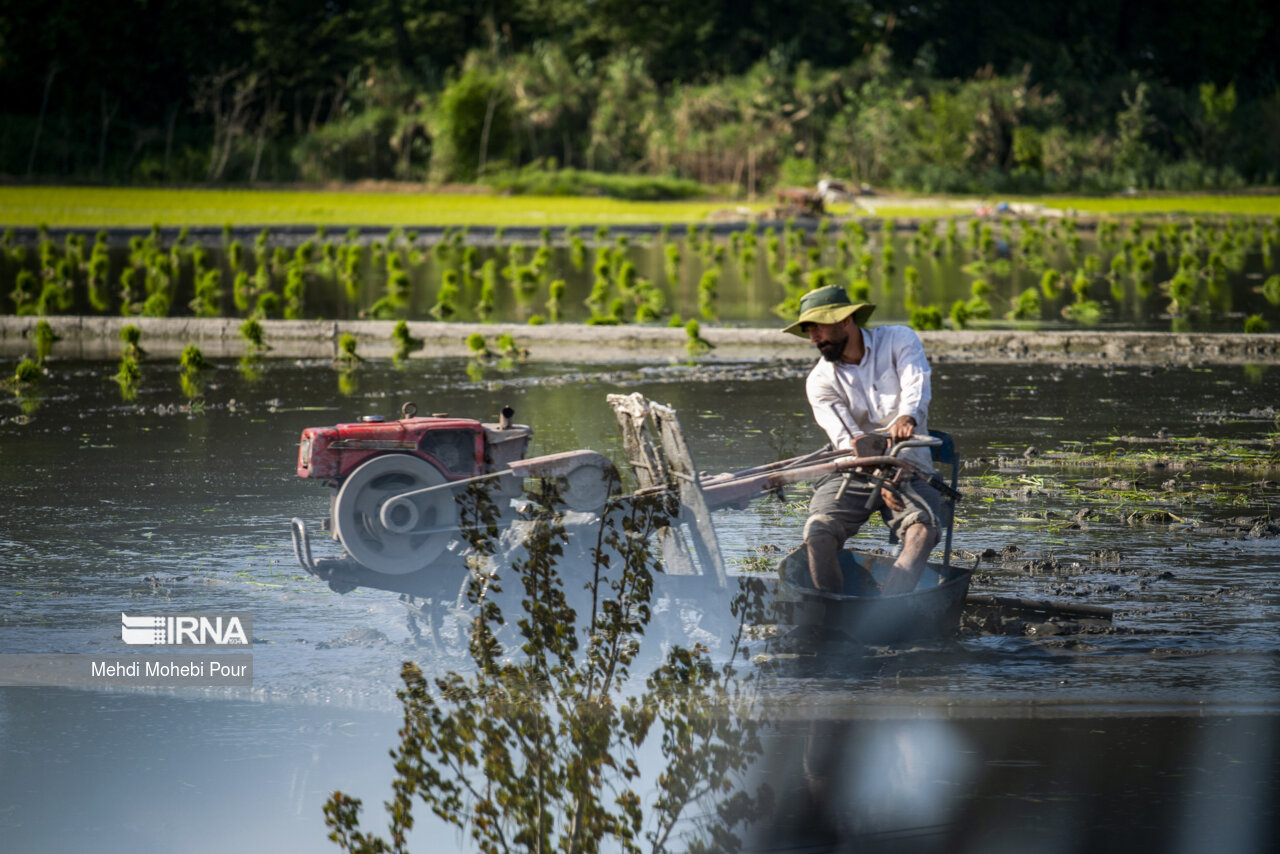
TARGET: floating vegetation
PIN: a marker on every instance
(1168, 454)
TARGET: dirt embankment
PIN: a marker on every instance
(99, 338)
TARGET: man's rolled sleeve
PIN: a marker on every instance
(830, 410)
(913, 373)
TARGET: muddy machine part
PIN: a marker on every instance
(669, 465)
(411, 537)
(395, 487)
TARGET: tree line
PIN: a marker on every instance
(949, 95)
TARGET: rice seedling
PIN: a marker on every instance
(1026, 307)
(525, 282)
(926, 317)
(555, 299)
(487, 300)
(695, 344)
(346, 353)
(508, 349)
(978, 305)
(952, 235)
(1182, 290)
(295, 286)
(396, 298)
(960, 316)
(403, 343)
(208, 296)
(45, 338)
(886, 258)
(708, 288)
(27, 373)
(793, 288)
(911, 298)
(131, 337)
(192, 360)
(128, 376)
(627, 278)
(672, 262)
(773, 255)
(611, 318)
(1271, 289)
(24, 293)
(477, 346)
(446, 305)
(1256, 324)
(650, 302)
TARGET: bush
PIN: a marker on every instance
(463, 143)
(536, 181)
(798, 172)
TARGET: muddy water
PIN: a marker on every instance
(112, 506)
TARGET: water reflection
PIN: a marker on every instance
(108, 505)
(911, 781)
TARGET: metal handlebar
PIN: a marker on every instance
(919, 440)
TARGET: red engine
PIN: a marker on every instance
(395, 484)
(457, 447)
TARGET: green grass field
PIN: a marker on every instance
(93, 207)
(1233, 205)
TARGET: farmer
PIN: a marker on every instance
(867, 381)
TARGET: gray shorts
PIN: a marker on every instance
(844, 517)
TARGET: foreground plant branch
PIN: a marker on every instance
(536, 749)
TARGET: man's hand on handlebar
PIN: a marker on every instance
(902, 429)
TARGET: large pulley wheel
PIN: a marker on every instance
(586, 488)
(419, 531)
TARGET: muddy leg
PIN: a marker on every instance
(916, 543)
(824, 561)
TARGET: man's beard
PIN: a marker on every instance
(832, 350)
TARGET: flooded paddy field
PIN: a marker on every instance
(1149, 490)
(1181, 274)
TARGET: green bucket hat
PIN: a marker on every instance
(829, 305)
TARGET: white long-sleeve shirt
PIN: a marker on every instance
(892, 380)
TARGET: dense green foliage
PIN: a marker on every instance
(944, 95)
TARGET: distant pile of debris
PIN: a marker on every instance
(799, 201)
